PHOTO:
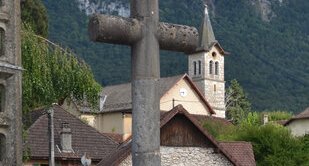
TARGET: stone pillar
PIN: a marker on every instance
(10, 84)
(145, 75)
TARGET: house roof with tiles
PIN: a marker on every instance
(302, 115)
(238, 153)
(118, 97)
(84, 138)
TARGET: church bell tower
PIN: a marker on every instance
(10, 84)
(206, 67)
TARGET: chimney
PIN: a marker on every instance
(66, 138)
(265, 119)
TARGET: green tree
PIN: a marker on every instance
(33, 13)
(53, 74)
(237, 103)
(274, 145)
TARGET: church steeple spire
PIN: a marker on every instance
(206, 34)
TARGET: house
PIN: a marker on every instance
(184, 142)
(115, 115)
(73, 138)
(299, 124)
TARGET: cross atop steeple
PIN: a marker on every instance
(206, 34)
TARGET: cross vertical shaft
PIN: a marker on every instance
(145, 76)
(146, 35)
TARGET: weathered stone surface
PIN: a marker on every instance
(187, 156)
(143, 32)
(143, 131)
(114, 29)
(145, 75)
(211, 85)
(10, 80)
(120, 30)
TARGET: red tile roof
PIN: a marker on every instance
(240, 151)
(84, 138)
(115, 136)
(231, 150)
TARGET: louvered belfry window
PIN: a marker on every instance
(217, 68)
(199, 67)
(194, 67)
(210, 67)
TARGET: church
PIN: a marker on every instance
(206, 67)
(201, 91)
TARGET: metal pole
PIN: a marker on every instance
(51, 161)
(145, 75)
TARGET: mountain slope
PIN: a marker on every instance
(268, 41)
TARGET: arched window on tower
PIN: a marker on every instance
(199, 67)
(211, 67)
(217, 68)
(2, 35)
(2, 146)
(194, 67)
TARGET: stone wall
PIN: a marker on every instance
(10, 83)
(211, 85)
(187, 156)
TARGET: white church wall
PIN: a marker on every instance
(183, 94)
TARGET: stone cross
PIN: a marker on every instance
(146, 35)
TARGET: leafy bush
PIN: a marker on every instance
(278, 115)
(274, 145)
(219, 131)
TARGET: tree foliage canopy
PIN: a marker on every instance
(33, 13)
(238, 106)
(52, 74)
(272, 144)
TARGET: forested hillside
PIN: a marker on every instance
(269, 44)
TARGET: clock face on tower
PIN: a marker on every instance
(183, 92)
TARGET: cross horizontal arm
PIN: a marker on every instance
(114, 30)
(127, 31)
